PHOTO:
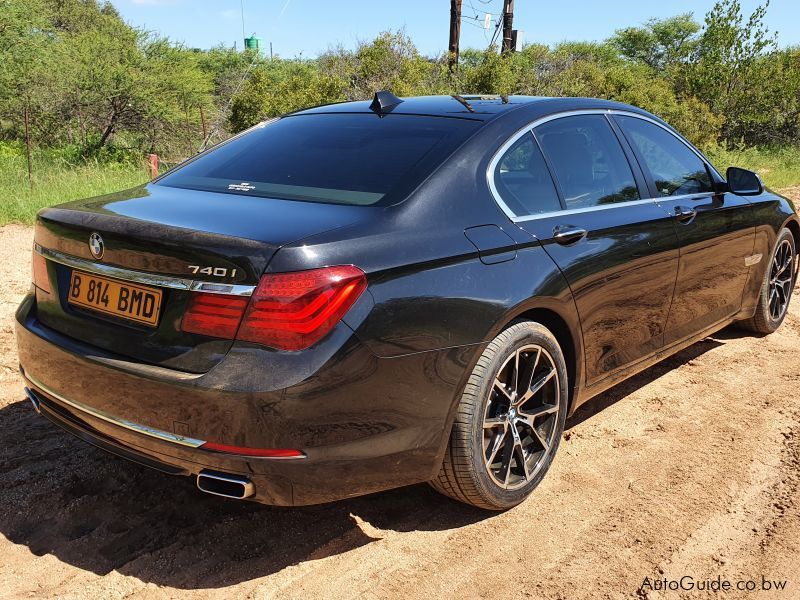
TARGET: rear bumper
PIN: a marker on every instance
(364, 424)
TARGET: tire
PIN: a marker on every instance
(777, 287)
(486, 463)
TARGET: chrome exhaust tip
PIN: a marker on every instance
(225, 485)
(34, 400)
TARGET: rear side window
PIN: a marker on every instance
(588, 161)
(674, 168)
(360, 159)
(523, 181)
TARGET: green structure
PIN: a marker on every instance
(253, 43)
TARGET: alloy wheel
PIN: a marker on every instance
(781, 278)
(521, 417)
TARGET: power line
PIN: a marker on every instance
(469, 21)
(496, 30)
(224, 112)
(474, 21)
(477, 12)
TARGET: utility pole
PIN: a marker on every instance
(244, 35)
(508, 24)
(455, 34)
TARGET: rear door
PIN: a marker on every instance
(715, 229)
(617, 250)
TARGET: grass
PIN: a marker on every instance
(56, 181)
(778, 167)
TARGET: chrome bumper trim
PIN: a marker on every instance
(99, 414)
(167, 281)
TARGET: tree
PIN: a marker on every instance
(92, 82)
(660, 43)
(389, 62)
(173, 89)
(731, 66)
(26, 42)
(116, 78)
(276, 88)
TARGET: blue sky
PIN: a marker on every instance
(309, 27)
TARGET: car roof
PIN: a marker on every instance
(470, 106)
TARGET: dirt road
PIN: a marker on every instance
(691, 468)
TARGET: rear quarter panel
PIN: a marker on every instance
(428, 288)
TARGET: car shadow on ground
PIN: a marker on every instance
(101, 513)
(629, 386)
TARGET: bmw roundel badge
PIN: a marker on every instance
(96, 245)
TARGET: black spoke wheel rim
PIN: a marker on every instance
(521, 417)
(781, 278)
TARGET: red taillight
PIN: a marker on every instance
(215, 315)
(39, 275)
(245, 451)
(292, 311)
(288, 311)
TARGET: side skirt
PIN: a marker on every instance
(588, 393)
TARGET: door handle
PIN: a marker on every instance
(567, 234)
(684, 214)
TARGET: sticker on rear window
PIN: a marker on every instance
(241, 187)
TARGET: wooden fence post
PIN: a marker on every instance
(28, 147)
(153, 165)
(203, 121)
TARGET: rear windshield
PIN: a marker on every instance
(359, 159)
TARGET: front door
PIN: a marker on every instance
(715, 229)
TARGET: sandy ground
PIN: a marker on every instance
(692, 468)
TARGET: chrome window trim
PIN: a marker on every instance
(588, 111)
(178, 283)
(585, 209)
(693, 196)
(120, 422)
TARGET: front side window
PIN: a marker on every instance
(674, 168)
(588, 161)
(523, 181)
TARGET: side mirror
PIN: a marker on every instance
(743, 182)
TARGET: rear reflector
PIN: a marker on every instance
(39, 276)
(215, 315)
(245, 451)
(292, 311)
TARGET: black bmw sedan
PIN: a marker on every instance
(365, 295)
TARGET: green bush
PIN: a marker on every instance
(779, 166)
(277, 88)
(101, 94)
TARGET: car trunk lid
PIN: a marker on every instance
(172, 240)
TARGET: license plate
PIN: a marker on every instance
(130, 301)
